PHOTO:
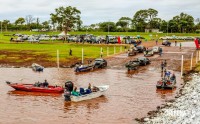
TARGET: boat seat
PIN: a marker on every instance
(82, 91)
(88, 91)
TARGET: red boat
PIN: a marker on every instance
(32, 88)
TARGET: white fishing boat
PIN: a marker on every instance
(94, 94)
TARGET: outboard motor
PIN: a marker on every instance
(69, 85)
(68, 89)
(67, 95)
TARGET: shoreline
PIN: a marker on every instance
(182, 108)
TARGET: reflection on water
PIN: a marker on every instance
(131, 95)
(23, 93)
(89, 104)
(163, 93)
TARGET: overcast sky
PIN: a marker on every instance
(95, 11)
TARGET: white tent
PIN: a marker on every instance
(63, 34)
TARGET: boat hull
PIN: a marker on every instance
(31, 88)
(102, 90)
(86, 97)
(167, 85)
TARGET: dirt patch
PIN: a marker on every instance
(21, 58)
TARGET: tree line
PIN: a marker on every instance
(68, 18)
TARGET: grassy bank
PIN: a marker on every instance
(26, 53)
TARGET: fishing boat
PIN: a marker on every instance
(166, 84)
(37, 67)
(100, 90)
(82, 68)
(33, 88)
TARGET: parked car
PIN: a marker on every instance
(166, 43)
(100, 63)
(140, 49)
(149, 52)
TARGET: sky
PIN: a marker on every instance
(95, 11)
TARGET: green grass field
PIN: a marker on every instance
(50, 48)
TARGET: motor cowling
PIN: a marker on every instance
(69, 86)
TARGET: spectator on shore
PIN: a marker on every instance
(180, 46)
(162, 66)
(165, 63)
(175, 43)
(160, 51)
(70, 52)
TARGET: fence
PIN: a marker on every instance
(85, 54)
(188, 61)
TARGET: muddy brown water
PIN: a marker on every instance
(130, 96)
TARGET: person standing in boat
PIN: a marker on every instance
(168, 73)
(90, 87)
(162, 66)
(173, 77)
(45, 84)
(165, 73)
(160, 51)
(165, 63)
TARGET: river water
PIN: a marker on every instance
(130, 96)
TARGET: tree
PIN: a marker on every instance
(155, 23)
(45, 24)
(108, 26)
(146, 19)
(183, 22)
(139, 20)
(124, 23)
(29, 19)
(68, 17)
(5, 24)
(152, 14)
(54, 21)
(20, 21)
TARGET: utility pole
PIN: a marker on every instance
(167, 27)
(108, 29)
(1, 30)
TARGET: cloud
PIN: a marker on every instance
(95, 11)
